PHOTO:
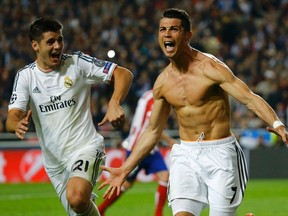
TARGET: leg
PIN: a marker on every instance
(184, 214)
(75, 183)
(82, 178)
(161, 193)
(187, 192)
(60, 184)
(78, 192)
(187, 207)
(226, 190)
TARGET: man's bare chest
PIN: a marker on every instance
(191, 92)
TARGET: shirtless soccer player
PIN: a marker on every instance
(208, 166)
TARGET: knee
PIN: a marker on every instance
(78, 201)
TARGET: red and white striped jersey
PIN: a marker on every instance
(140, 119)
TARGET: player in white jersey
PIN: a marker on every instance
(208, 167)
(153, 163)
(55, 91)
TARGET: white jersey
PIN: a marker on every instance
(140, 119)
(60, 103)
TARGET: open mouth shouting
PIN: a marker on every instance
(169, 46)
(55, 56)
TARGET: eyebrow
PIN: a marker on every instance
(173, 26)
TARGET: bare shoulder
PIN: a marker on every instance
(160, 83)
(208, 60)
(214, 68)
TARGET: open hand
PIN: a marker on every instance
(115, 181)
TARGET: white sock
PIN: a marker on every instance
(91, 211)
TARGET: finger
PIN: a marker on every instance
(28, 116)
(23, 124)
(104, 168)
(285, 137)
(22, 128)
(111, 192)
(102, 185)
(107, 193)
(103, 121)
(270, 129)
(19, 135)
(118, 191)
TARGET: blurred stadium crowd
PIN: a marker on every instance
(250, 36)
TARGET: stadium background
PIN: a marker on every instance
(251, 37)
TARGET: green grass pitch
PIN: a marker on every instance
(262, 197)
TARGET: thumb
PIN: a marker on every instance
(28, 116)
(104, 168)
(272, 130)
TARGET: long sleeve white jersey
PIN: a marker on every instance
(60, 104)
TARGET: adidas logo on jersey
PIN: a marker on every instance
(36, 90)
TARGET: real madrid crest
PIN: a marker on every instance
(68, 83)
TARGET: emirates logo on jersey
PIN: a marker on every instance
(56, 104)
(68, 83)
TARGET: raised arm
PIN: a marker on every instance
(147, 141)
(122, 82)
(240, 91)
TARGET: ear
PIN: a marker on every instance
(34, 45)
(188, 35)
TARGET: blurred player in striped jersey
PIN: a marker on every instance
(152, 164)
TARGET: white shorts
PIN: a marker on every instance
(85, 164)
(213, 173)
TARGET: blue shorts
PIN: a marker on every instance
(153, 163)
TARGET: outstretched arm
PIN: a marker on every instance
(17, 122)
(147, 141)
(258, 105)
(241, 92)
(122, 81)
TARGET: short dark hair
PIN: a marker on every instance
(179, 14)
(42, 25)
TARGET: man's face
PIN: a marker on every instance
(172, 37)
(49, 50)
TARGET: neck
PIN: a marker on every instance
(43, 70)
(183, 61)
